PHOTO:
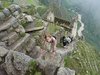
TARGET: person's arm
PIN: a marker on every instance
(54, 45)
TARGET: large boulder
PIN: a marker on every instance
(14, 23)
(30, 45)
(47, 67)
(65, 71)
(14, 8)
(16, 63)
(36, 52)
(17, 8)
(50, 69)
(6, 12)
(16, 13)
(55, 59)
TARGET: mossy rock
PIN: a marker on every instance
(32, 70)
(38, 23)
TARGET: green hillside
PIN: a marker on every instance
(84, 60)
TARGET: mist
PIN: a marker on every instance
(90, 6)
(90, 11)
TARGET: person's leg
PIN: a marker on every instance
(64, 43)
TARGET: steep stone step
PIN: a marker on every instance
(30, 44)
(20, 43)
(34, 29)
(6, 25)
(2, 34)
(10, 38)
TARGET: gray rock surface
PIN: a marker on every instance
(48, 68)
(6, 12)
(14, 8)
(16, 63)
(2, 44)
(10, 38)
(3, 52)
(16, 13)
(2, 34)
(6, 25)
(14, 23)
(35, 53)
(2, 71)
(2, 16)
(65, 71)
(18, 45)
(30, 45)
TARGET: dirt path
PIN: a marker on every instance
(65, 51)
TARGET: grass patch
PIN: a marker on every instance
(33, 69)
(38, 23)
(5, 3)
(52, 28)
(83, 60)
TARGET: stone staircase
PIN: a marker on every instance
(6, 25)
(20, 43)
(13, 35)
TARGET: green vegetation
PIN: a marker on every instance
(5, 3)
(52, 28)
(36, 3)
(38, 23)
(84, 60)
(23, 23)
(33, 69)
(41, 10)
(29, 10)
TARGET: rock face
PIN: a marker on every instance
(65, 71)
(2, 16)
(15, 63)
(10, 38)
(6, 12)
(35, 53)
(47, 67)
(2, 71)
(14, 8)
(3, 52)
(18, 42)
